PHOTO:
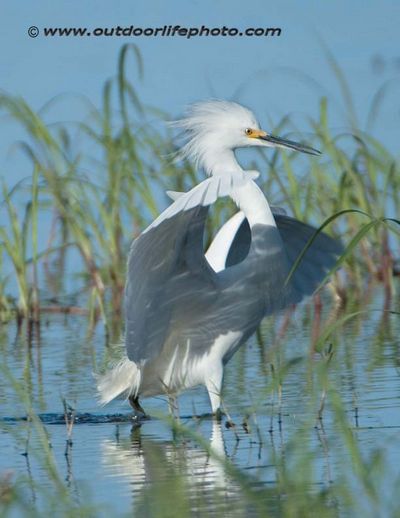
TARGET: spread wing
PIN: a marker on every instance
(166, 263)
(314, 265)
(320, 257)
(172, 287)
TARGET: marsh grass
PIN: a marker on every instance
(14, 491)
(97, 204)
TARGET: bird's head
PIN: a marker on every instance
(213, 129)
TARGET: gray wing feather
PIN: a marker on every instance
(315, 264)
(167, 266)
(172, 293)
(158, 259)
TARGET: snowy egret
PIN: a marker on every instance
(187, 312)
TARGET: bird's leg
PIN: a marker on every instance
(213, 384)
(173, 406)
(134, 402)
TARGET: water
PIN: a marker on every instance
(116, 467)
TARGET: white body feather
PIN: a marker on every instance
(123, 378)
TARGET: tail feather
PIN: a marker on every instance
(124, 377)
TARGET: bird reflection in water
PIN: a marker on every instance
(172, 472)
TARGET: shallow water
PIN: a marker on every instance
(116, 467)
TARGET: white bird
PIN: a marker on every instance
(187, 312)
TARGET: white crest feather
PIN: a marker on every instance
(210, 127)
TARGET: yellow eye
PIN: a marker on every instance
(248, 131)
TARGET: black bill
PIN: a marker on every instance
(289, 144)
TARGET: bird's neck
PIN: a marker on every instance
(248, 197)
(251, 200)
(220, 162)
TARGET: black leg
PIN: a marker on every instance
(134, 402)
(218, 415)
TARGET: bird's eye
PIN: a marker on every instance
(248, 131)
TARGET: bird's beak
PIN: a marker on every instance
(285, 143)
